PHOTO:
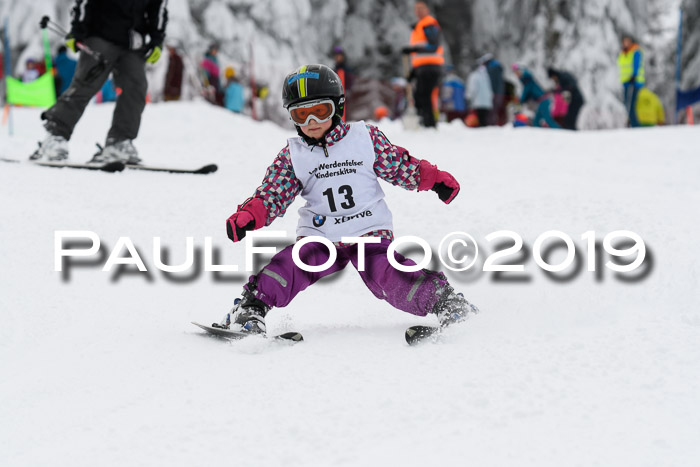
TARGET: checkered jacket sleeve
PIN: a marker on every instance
(393, 163)
(279, 186)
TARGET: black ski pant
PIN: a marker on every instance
(574, 108)
(129, 71)
(483, 115)
(427, 79)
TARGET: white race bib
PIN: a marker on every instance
(342, 192)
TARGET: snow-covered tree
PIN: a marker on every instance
(691, 49)
(581, 36)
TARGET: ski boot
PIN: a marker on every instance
(116, 151)
(452, 307)
(247, 315)
(54, 148)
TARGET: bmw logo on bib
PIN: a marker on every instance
(319, 221)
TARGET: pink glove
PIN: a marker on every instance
(251, 215)
(442, 183)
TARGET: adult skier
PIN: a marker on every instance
(498, 86)
(172, 89)
(123, 36)
(427, 60)
(565, 82)
(480, 94)
(630, 62)
(335, 167)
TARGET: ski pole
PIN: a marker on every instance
(53, 27)
(56, 28)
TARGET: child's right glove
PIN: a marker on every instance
(251, 215)
(441, 182)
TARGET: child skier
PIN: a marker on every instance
(335, 167)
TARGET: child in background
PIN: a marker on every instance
(532, 92)
(233, 94)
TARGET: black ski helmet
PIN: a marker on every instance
(311, 82)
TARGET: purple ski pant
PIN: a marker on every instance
(413, 292)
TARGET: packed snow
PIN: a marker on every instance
(103, 368)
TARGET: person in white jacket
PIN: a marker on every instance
(480, 94)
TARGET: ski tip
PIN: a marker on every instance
(411, 336)
(213, 327)
(207, 169)
(291, 336)
(417, 334)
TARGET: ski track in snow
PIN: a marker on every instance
(98, 371)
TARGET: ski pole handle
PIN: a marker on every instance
(46, 23)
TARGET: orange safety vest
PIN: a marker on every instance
(418, 39)
(341, 75)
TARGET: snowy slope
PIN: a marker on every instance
(98, 370)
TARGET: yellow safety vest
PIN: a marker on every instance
(625, 62)
(418, 38)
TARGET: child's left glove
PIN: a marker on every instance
(441, 182)
(251, 215)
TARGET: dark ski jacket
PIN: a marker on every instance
(173, 78)
(567, 82)
(495, 70)
(113, 20)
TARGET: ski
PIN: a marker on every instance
(207, 169)
(418, 334)
(227, 333)
(107, 167)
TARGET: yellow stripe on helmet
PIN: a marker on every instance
(301, 83)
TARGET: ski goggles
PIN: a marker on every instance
(320, 110)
